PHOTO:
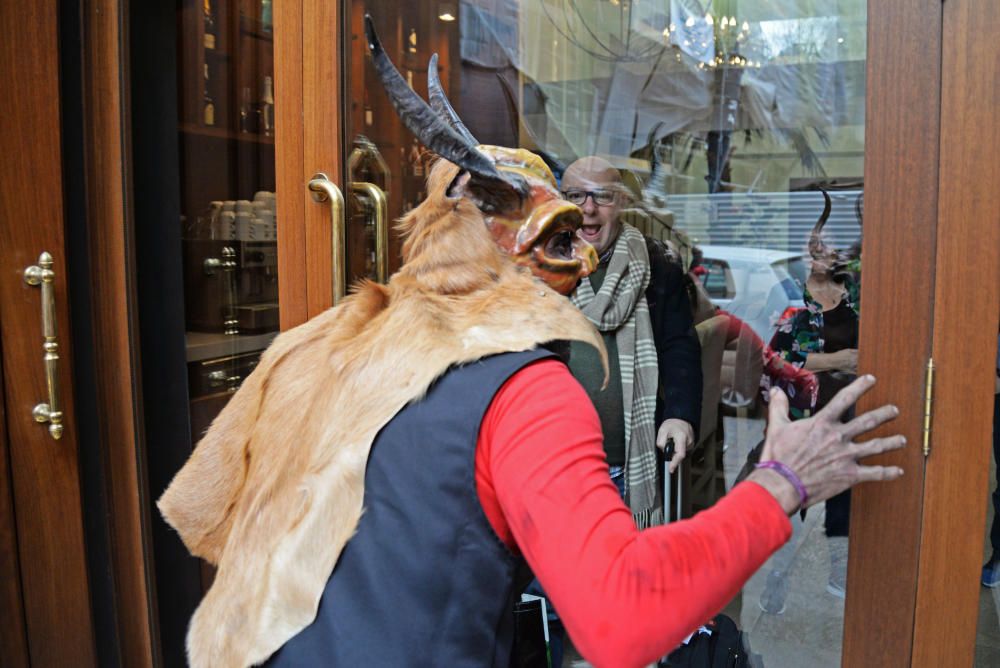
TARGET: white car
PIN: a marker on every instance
(758, 285)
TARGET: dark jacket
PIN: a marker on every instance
(677, 349)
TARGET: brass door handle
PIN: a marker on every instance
(227, 265)
(42, 275)
(380, 205)
(323, 189)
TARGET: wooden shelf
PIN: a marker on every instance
(224, 133)
(215, 54)
(206, 345)
(253, 28)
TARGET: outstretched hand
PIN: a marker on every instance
(822, 451)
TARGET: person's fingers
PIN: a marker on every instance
(868, 421)
(877, 446)
(662, 436)
(676, 460)
(846, 398)
(777, 413)
(878, 473)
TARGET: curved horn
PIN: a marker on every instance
(440, 104)
(432, 131)
(816, 246)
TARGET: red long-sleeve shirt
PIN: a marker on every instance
(626, 597)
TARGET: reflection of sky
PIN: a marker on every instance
(801, 75)
(806, 37)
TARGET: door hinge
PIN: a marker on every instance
(928, 406)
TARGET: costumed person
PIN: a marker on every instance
(637, 300)
(823, 338)
(372, 489)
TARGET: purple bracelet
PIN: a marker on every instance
(789, 475)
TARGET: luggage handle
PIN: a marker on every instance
(668, 454)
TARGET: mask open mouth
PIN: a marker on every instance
(560, 244)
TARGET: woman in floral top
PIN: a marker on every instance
(823, 338)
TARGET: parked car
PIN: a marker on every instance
(758, 285)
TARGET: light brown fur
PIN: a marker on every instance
(274, 490)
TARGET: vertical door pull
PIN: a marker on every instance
(41, 274)
(380, 206)
(928, 407)
(323, 189)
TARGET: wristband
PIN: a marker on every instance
(789, 475)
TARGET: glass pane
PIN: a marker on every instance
(229, 238)
(227, 247)
(734, 130)
(988, 633)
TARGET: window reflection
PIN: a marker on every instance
(734, 127)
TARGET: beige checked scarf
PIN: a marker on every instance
(620, 307)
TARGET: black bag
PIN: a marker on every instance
(719, 644)
(531, 649)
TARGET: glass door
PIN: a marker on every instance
(734, 134)
(207, 226)
(226, 135)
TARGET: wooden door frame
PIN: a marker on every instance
(44, 472)
(931, 204)
(966, 310)
(110, 225)
(310, 95)
(900, 220)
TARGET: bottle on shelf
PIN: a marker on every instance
(266, 110)
(369, 114)
(208, 104)
(246, 111)
(265, 16)
(209, 22)
(416, 160)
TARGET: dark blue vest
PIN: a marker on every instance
(425, 581)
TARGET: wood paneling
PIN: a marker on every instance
(292, 199)
(111, 271)
(902, 112)
(13, 642)
(322, 150)
(44, 471)
(965, 319)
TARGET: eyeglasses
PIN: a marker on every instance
(600, 197)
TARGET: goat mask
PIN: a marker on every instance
(274, 490)
(514, 188)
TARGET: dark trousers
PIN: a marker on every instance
(995, 529)
(838, 514)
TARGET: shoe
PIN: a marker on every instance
(772, 599)
(837, 584)
(991, 572)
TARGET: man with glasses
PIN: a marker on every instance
(637, 300)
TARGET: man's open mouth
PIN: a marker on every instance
(589, 233)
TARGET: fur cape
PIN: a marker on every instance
(274, 490)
